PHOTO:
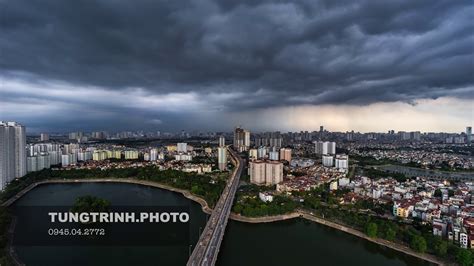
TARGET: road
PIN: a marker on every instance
(207, 248)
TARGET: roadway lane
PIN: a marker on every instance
(207, 248)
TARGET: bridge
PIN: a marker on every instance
(207, 248)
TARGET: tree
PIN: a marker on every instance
(438, 193)
(418, 243)
(390, 234)
(440, 247)
(464, 257)
(371, 229)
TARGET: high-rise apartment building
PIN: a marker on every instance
(342, 162)
(328, 160)
(222, 158)
(221, 141)
(44, 137)
(266, 172)
(325, 147)
(241, 139)
(182, 147)
(222, 154)
(12, 152)
(285, 154)
(469, 134)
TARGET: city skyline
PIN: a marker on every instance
(267, 66)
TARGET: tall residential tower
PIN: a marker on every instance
(12, 152)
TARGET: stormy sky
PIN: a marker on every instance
(210, 65)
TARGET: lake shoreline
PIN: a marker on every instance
(265, 219)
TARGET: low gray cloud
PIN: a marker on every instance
(235, 54)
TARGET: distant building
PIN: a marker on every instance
(325, 147)
(285, 154)
(44, 137)
(221, 141)
(222, 158)
(342, 162)
(253, 154)
(183, 157)
(469, 134)
(99, 155)
(262, 152)
(273, 155)
(333, 185)
(301, 162)
(38, 162)
(182, 147)
(328, 160)
(241, 139)
(12, 152)
(153, 154)
(131, 155)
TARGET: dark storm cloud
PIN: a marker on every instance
(280, 53)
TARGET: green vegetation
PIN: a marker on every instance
(90, 204)
(465, 257)
(248, 204)
(371, 230)
(418, 243)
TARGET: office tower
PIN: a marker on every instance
(328, 160)
(325, 147)
(469, 134)
(321, 129)
(221, 141)
(342, 162)
(285, 154)
(222, 158)
(241, 139)
(44, 137)
(182, 147)
(12, 152)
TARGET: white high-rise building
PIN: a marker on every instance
(221, 141)
(262, 152)
(153, 154)
(253, 154)
(12, 152)
(182, 147)
(222, 158)
(328, 160)
(273, 155)
(342, 162)
(325, 147)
